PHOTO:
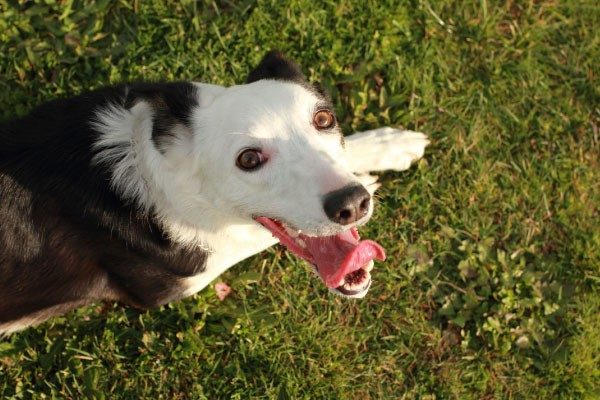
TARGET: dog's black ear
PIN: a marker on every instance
(321, 91)
(172, 104)
(274, 65)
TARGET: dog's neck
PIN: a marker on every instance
(227, 239)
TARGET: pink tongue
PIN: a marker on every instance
(334, 256)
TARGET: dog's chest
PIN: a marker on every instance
(228, 247)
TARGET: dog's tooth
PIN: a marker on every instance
(301, 243)
(293, 233)
(315, 269)
(369, 266)
(354, 286)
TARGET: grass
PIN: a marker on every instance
(491, 289)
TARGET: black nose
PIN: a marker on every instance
(347, 205)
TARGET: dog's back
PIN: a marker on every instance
(67, 239)
(39, 165)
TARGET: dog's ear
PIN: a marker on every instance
(321, 91)
(172, 105)
(274, 65)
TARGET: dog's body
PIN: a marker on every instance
(145, 193)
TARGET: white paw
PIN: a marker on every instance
(369, 182)
(384, 149)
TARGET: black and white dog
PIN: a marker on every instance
(145, 193)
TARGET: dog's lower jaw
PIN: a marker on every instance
(359, 294)
(351, 294)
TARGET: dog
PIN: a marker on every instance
(144, 193)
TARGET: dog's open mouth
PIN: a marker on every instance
(343, 261)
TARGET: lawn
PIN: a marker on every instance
(492, 284)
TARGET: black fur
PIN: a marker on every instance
(66, 237)
(274, 65)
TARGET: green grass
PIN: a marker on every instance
(491, 289)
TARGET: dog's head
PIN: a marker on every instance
(271, 151)
(275, 149)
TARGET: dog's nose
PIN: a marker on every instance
(347, 205)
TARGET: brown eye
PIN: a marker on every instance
(249, 159)
(323, 119)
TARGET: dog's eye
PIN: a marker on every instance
(323, 119)
(249, 159)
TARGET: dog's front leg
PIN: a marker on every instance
(384, 149)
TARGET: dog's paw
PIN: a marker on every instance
(369, 182)
(384, 149)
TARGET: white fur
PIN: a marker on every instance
(126, 146)
(384, 149)
(202, 199)
(14, 326)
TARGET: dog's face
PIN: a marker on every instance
(276, 151)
